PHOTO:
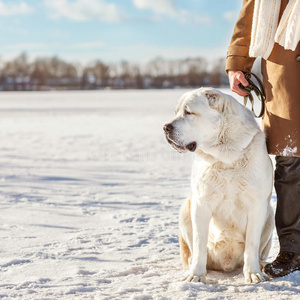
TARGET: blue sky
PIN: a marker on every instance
(133, 30)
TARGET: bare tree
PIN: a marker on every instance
(217, 73)
(40, 72)
(101, 72)
(53, 72)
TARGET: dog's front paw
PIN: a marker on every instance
(195, 278)
(255, 277)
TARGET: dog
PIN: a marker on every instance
(227, 223)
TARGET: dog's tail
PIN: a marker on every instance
(184, 251)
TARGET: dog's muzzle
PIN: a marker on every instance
(168, 130)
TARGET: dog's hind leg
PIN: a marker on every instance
(184, 251)
(185, 233)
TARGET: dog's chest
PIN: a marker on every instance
(224, 189)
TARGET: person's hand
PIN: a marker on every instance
(236, 77)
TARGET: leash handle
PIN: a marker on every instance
(258, 90)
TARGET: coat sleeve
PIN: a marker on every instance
(238, 51)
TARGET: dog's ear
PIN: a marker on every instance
(215, 101)
(220, 103)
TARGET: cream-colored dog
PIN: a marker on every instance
(228, 222)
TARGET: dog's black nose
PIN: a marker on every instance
(168, 127)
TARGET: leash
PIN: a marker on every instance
(258, 90)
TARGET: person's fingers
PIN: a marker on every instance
(242, 79)
(235, 78)
(236, 89)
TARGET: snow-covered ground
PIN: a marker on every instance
(89, 199)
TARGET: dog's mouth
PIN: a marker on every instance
(177, 147)
(189, 147)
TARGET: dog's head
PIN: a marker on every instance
(198, 119)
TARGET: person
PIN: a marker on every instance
(270, 29)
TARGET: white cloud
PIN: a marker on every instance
(20, 8)
(169, 8)
(166, 7)
(23, 47)
(145, 52)
(84, 10)
(231, 16)
(140, 53)
(185, 16)
(88, 45)
(44, 47)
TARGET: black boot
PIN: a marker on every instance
(284, 264)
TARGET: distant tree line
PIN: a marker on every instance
(55, 73)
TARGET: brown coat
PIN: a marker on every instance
(281, 76)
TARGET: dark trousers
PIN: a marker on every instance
(287, 217)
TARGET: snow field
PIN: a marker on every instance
(89, 197)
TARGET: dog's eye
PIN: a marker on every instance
(186, 112)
